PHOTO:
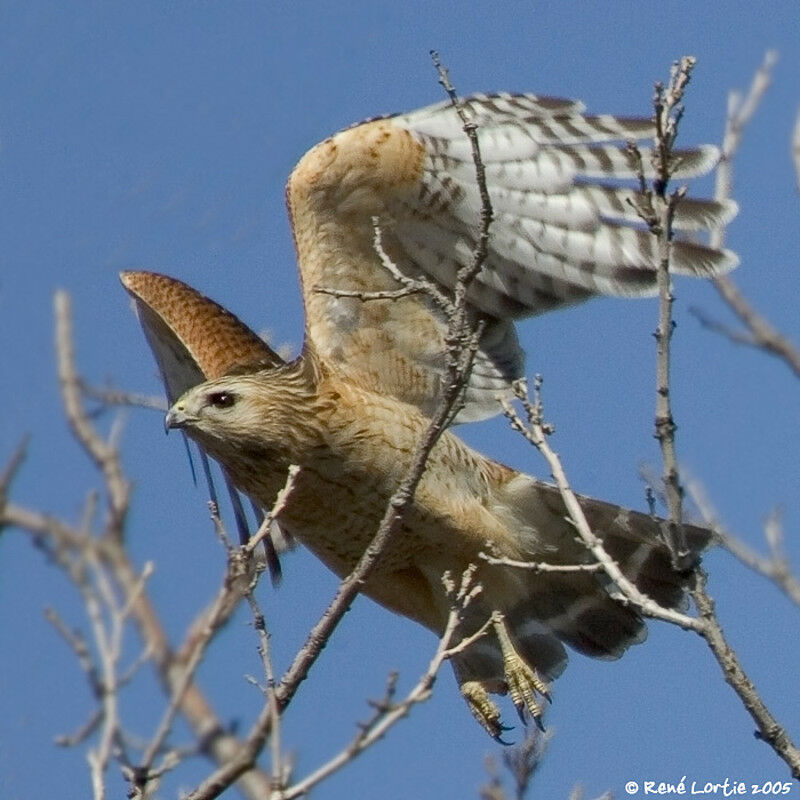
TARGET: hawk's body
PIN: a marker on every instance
(350, 411)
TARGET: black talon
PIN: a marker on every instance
(539, 723)
(521, 714)
(502, 741)
(547, 697)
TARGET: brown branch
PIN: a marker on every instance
(479, 254)
(119, 397)
(264, 529)
(521, 763)
(281, 767)
(536, 432)
(768, 728)
(757, 330)
(539, 567)
(388, 294)
(762, 334)
(12, 467)
(667, 116)
(214, 740)
(706, 624)
(410, 285)
(107, 553)
(775, 567)
(102, 452)
(200, 636)
(388, 713)
(348, 589)
(710, 629)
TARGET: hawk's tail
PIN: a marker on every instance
(579, 608)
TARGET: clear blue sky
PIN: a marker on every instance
(159, 135)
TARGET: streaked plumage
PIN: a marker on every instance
(349, 411)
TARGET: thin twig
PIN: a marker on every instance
(768, 728)
(10, 470)
(709, 627)
(75, 545)
(540, 566)
(279, 773)
(388, 713)
(668, 112)
(119, 397)
(758, 331)
(201, 635)
(410, 285)
(102, 453)
(280, 502)
(388, 294)
(536, 432)
(774, 567)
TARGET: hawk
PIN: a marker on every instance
(351, 408)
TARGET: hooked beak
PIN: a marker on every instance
(176, 417)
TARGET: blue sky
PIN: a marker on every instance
(159, 136)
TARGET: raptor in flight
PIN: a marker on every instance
(351, 408)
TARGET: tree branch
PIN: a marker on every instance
(757, 330)
(711, 630)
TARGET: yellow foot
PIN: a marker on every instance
(482, 708)
(522, 680)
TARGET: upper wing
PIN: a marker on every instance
(193, 340)
(563, 231)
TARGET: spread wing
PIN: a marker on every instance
(560, 183)
(193, 340)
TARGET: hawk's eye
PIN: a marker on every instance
(222, 399)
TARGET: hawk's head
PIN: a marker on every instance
(255, 415)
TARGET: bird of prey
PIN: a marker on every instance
(351, 408)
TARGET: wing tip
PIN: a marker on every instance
(128, 278)
(699, 160)
(700, 261)
(137, 282)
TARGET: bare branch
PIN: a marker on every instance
(774, 567)
(540, 566)
(388, 713)
(741, 110)
(10, 470)
(76, 549)
(487, 214)
(388, 294)
(710, 628)
(102, 453)
(110, 396)
(280, 766)
(757, 331)
(521, 763)
(280, 502)
(667, 117)
(536, 433)
(769, 729)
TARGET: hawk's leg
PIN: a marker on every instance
(522, 680)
